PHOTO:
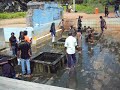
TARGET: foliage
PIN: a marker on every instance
(90, 8)
(6, 15)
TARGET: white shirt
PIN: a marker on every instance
(70, 44)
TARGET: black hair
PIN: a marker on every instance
(22, 37)
(101, 17)
(25, 32)
(52, 26)
(12, 33)
(79, 30)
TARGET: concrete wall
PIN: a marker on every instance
(8, 31)
(2, 39)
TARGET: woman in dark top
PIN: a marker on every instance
(53, 31)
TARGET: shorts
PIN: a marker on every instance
(71, 60)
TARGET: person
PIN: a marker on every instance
(102, 24)
(79, 22)
(21, 34)
(67, 6)
(116, 10)
(7, 68)
(88, 29)
(85, 28)
(79, 40)
(61, 24)
(106, 11)
(24, 54)
(13, 44)
(27, 39)
(70, 46)
(91, 37)
(53, 32)
(72, 30)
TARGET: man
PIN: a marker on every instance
(70, 46)
(116, 10)
(26, 37)
(102, 24)
(24, 54)
(13, 44)
(79, 22)
(106, 11)
(29, 40)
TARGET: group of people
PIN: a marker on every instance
(22, 49)
(74, 40)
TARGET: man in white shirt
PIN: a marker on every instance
(70, 46)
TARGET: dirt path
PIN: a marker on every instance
(19, 22)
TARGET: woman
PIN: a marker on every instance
(53, 31)
(21, 34)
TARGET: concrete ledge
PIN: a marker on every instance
(13, 84)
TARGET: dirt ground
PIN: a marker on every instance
(21, 22)
(114, 34)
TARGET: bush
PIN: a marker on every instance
(6, 15)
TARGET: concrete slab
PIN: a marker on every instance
(13, 84)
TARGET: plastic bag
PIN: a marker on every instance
(19, 61)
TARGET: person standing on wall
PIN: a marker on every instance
(13, 44)
(24, 54)
(102, 24)
(116, 10)
(53, 32)
(70, 46)
(61, 25)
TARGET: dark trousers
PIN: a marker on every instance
(71, 60)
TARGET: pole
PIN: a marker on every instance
(74, 5)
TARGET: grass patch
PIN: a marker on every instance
(6, 15)
(90, 8)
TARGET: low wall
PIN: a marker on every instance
(13, 84)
